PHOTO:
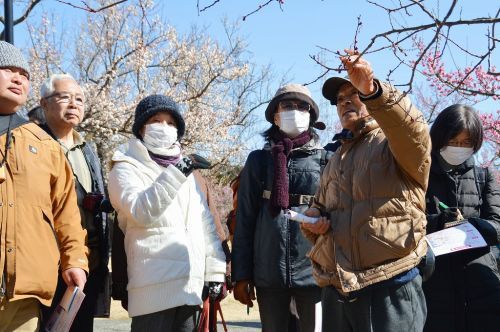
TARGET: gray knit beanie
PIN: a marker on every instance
(153, 104)
(11, 56)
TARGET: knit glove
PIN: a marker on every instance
(193, 161)
(215, 290)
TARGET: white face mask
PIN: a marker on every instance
(159, 137)
(455, 155)
(293, 123)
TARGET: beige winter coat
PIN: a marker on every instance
(373, 192)
(40, 224)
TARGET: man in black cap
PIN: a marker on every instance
(371, 202)
(40, 229)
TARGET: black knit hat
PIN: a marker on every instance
(153, 104)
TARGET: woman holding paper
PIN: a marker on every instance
(269, 250)
(463, 293)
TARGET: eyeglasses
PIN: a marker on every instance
(65, 98)
(292, 106)
(461, 144)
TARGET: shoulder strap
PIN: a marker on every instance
(480, 177)
(323, 161)
(264, 164)
(94, 165)
(11, 122)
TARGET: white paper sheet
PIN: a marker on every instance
(460, 237)
(66, 310)
(295, 216)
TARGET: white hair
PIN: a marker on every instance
(47, 87)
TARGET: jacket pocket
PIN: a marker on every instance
(322, 252)
(322, 256)
(47, 217)
(382, 240)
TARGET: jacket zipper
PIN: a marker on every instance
(287, 242)
(3, 287)
(455, 177)
(288, 267)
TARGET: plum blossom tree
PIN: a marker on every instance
(430, 40)
(471, 86)
(125, 53)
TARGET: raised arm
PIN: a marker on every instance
(143, 204)
(403, 125)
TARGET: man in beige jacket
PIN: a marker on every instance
(370, 237)
(40, 228)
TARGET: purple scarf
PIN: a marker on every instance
(280, 152)
(165, 160)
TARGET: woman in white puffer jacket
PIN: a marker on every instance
(170, 238)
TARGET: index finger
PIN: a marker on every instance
(351, 51)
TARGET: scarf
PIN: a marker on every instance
(280, 151)
(171, 158)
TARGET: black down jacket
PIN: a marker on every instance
(272, 251)
(463, 294)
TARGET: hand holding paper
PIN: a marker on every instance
(311, 220)
(295, 216)
(65, 312)
(74, 277)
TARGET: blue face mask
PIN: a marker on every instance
(455, 155)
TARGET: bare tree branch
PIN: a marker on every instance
(89, 9)
(206, 7)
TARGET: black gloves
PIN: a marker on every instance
(445, 217)
(193, 161)
(215, 290)
(448, 216)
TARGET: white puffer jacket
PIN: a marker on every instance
(170, 237)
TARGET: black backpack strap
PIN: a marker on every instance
(323, 161)
(480, 177)
(11, 122)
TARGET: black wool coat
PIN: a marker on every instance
(271, 251)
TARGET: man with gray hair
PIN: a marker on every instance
(63, 102)
(40, 229)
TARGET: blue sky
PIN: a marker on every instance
(285, 38)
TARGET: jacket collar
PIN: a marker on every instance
(310, 146)
(363, 126)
